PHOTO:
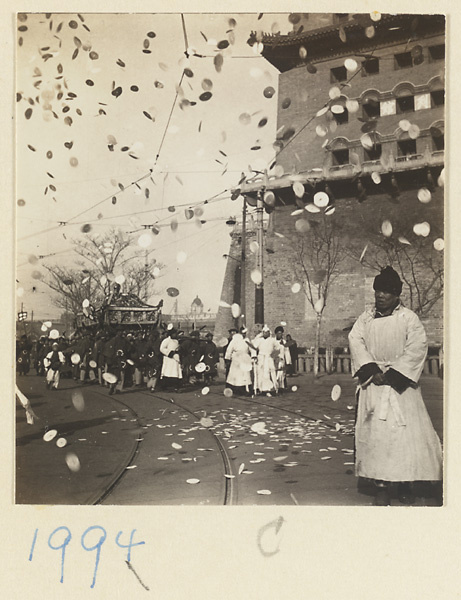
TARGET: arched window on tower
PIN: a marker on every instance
(437, 92)
(370, 104)
(405, 98)
(437, 131)
(340, 152)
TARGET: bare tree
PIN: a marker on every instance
(414, 257)
(72, 286)
(140, 278)
(104, 253)
(102, 258)
(318, 254)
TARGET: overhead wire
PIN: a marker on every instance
(113, 194)
(277, 153)
(210, 200)
(175, 241)
(158, 152)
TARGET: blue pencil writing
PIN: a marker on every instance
(33, 545)
(92, 540)
(130, 545)
(96, 547)
(61, 546)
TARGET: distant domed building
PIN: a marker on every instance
(196, 306)
(196, 318)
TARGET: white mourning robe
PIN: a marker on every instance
(395, 438)
(266, 376)
(238, 352)
(171, 367)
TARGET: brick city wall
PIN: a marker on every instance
(351, 292)
(308, 93)
(359, 223)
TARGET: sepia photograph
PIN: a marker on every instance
(229, 259)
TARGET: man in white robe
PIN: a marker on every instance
(53, 362)
(268, 348)
(238, 353)
(394, 436)
(171, 366)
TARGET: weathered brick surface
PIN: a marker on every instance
(359, 223)
(309, 93)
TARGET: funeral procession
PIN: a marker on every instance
(229, 259)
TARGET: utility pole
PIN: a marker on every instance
(24, 321)
(146, 270)
(259, 290)
(242, 264)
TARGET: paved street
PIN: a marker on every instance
(142, 448)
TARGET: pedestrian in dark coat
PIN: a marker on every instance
(114, 351)
(293, 348)
(23, 349)
(210, 357)
(189, 352)
(227, 362)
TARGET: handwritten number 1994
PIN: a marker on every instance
(92, 540)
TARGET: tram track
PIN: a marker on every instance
(230, 486)
(288, 411)
(299, 424)
(230, 489)
(283, 409)
(122, 470)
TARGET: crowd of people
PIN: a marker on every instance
(395, 441)
(166, 358)
(259, 365)
(122, 359)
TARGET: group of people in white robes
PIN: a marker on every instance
(258, 364)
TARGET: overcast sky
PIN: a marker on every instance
(202, 149)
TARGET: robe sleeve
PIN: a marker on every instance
(287, 355)
(398, 381)
(30, 415)
(164, 347)
(22, 399)
(360, 356)
(411, 362)
(257, 341)
(229, 351)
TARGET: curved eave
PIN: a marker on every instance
(344, 176)
(282, 51)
